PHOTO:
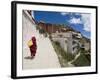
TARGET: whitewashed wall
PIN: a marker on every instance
(29, 28)
(67, 46)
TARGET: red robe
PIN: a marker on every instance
(33, 48)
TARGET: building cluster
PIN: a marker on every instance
(53, 28)
(69, 39)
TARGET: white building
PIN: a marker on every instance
(68, 40)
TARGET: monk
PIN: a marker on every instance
(33, 47)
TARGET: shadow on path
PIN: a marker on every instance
(29, 57)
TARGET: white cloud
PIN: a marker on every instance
(86, 21)
(64, 13)
(74, 20)
(77, 13)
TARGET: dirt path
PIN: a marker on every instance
(45, 56)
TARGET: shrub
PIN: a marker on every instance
(50, 37)
(45, 35)
(82, 61)
(57, 43)
(37, 28)
(41, 31)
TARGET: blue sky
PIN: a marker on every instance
(78, 21)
